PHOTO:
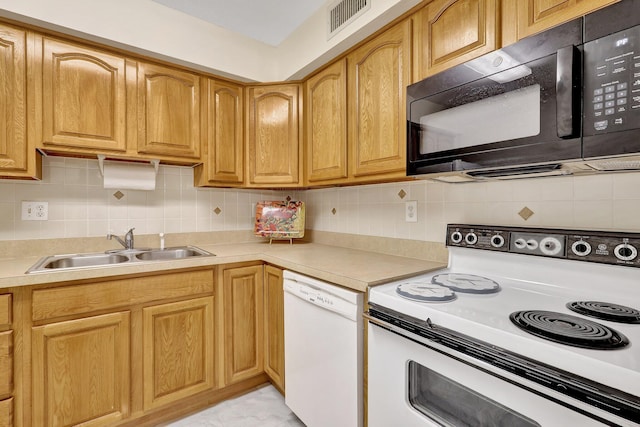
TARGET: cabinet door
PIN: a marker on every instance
(168, 112)
(454, 31)
(6, 364)
(274, 326)
(273, 135)
(178, 350)
(17, 155)
(225, 139)
(533, 16)
(83, 98)
(326, 124)
(379, 72)
(81, 371)
(243, 317)
(6, 413)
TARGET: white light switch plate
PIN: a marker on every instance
(35, 211)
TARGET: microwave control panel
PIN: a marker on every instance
(612, 82)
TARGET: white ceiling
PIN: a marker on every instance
(268, 21)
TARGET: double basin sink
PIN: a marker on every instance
(111, 258)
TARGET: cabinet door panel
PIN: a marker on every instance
(17, 155)
(243, 305)
(168, 112)
(326, 118)
(225, 132)
(274, 326)
(178, 350)
(379, 72)
(6, 413)
(6, 364)
(273, 135)
(454, 31)
(81, 371)
(538, 15)
(83, 98)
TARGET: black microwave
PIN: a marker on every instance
(561, 97)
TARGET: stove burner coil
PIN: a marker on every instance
(605, 311)
(466, 283)
(568, 329)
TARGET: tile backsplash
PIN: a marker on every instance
(79, 206)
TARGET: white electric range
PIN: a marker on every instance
(506, 334)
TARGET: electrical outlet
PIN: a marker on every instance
(35, 211)
(411, 211)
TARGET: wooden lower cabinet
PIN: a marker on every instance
(178, 350)
(243, 322)
(274, 326)
(6, 413)
(81, 371)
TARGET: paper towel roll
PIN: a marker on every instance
(129, 176)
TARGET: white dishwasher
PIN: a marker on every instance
(323, 352)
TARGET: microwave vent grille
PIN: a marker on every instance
(615, 164)
(343, 12)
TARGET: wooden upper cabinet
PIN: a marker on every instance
(532, 16)
(454, 31)
(273, 135)
(169, 122)
(224, 150)
(379, 72)
(83, 99)
(326, 124)
(18, 157)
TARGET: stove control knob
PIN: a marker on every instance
(471, 238)
(550, 246)
(497, 241)
(625, 252)
(532, 244)
(456, 237)
(520, 243)
(581, 248)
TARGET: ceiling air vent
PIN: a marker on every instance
(342, 12)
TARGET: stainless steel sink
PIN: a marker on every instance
(171, 253)
(110, 258)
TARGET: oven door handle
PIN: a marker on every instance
(568, 108)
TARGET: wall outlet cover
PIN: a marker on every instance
(411, 211)
(35, 211)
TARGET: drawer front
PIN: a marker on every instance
(86, 298)
(5, 311)
(6, 413)
(6, 364)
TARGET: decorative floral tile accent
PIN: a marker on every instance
(280, 219)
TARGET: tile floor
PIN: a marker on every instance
(263, 407)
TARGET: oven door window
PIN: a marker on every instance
(452, 404)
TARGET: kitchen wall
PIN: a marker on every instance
(80, 207)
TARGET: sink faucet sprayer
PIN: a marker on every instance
(128, 239)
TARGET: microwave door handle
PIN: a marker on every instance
(568, 76)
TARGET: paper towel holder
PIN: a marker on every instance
(102, 157)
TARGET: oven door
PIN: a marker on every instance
(413, 384)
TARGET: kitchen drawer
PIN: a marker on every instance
(6, 364)
(85, 298)
(5, 311)
(6, 413)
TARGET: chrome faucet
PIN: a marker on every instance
(128, 239)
